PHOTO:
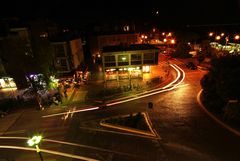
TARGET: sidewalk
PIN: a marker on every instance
(8, 121)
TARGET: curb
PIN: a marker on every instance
(236, 132)
(151, 133)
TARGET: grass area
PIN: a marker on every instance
(136, 121)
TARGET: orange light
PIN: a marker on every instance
(145, 37)
(236, 37)
(142, 36)
(218, 37)
(165, 40)
(222, 34)
(172, 41)
(211, 34)
(163, 33)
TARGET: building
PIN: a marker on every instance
(100, 41)
(68, 55)
(129, 61)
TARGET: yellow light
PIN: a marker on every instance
(236, 37)
(34, 140)
(173, 41)
(222, 34)
(211, 34)
(123, 58)
(169, 34)
(145, 37)
(165, 40)
(146, 69)
(218, 37)
(142, 36)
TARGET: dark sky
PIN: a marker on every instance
(169, 11)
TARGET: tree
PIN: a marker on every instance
(182, 50)
(223, 78)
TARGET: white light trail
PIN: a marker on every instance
(158, 90)
(70, 112)
(49, 152)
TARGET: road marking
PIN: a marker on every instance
(70, 112)
(214, 117)
(116, 132)
(49, 151)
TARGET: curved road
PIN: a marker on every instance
(187, 133)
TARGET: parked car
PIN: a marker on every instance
(191, 65)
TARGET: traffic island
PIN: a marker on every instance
(134, 123)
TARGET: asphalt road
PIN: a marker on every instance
(187, 133)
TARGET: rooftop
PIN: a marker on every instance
(128, 47)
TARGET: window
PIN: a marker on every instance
(109, 58)
(136, 59)
(59, 50)
(123, 60)
(109, 61)
(63, 62)
(148, 58)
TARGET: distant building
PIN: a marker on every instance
(128, 61)
(100, 41)
(68, 55)
(112, 34)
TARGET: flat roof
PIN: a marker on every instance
(131, 47)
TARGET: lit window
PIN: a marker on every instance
(126, 28)
(44, 34)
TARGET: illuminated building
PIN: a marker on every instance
(129, 61)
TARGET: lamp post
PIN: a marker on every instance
(34, 141)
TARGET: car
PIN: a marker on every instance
(191, 65)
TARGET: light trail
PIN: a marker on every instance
(60, 142)
(70, 112)
(149, 93)
(49, 152)
(161, 90)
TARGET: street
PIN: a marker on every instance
(186, 132)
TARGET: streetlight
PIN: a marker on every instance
(236, 37)
(218, 37)
(210, 34)
(35, 140)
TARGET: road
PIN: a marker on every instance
(186, 132)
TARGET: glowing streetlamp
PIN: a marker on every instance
(165, 40)
(210, 34)
(218, 37)
(236, 37)
(222, 34)
(172, 41)
(34, 141)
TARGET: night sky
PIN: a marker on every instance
(169, 11)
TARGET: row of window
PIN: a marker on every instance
(123, 60)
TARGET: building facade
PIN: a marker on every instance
(124, 62)
(68, 55)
